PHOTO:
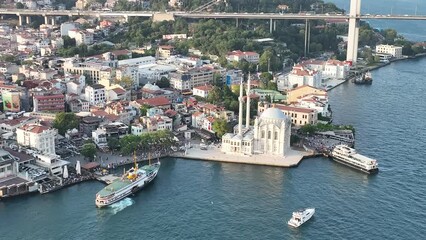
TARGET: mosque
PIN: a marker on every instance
(270, 134)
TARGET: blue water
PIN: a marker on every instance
(206, 200)
(413, 30)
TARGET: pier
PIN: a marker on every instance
(292, 158)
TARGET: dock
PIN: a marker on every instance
(108, 179)
(292, 158)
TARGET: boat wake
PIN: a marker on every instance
(120, 205)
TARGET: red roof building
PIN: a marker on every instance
(49, 103)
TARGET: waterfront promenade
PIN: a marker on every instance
(292, 158)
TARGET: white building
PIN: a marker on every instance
(335, 69)
(186, 80)
(270, 134)
(79, 105)
(81, 37)
(67, 26)
(137, 61)
(238, 55)
(99, 137)
(96, 71)
(395, 51)
(95, 94)
(38, 137)
(202, 91)
(300, 76)
(138, 129)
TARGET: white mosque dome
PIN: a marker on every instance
(273, 113)
(151, 87)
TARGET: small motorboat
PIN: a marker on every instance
(301, 216)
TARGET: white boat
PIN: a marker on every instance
(132, 181)
(301, 216)
(349, 157)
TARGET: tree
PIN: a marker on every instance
(164, 82)
(20, 5)
(222, 61)
(65, 121)
(68, 42)
(215, 95)
(220, 126)
(129, 143)
(89, 150)
(113, 143)
(143, 109)
(126, 82)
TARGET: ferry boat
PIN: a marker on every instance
(348, 156)
(132, 181)
(301, 216)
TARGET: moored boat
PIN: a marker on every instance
(364, 78)
(132, 181)
(349, 157)
(301, 216)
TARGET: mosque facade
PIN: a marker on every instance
(270, 134)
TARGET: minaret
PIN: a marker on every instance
(248, 104)
(240, 116)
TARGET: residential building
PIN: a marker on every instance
(36, 136)
(295, 94)
(251, 57)
(94, 70)
(299, 116)
(89, 124)
(153, 91)
(160, 102)
(202, 91)
(83, 37)
(165, 51)
(208, 124)
(233, 77)
(99, 137)
(188, 79)
(95, 94)
(317, 102)
(118, 93)
(300, 76)
(79, 105)
(157, 122)
(395, 51)
(67, 26)
(138, 129)
(335, 69)
(49, 103)
(10, 125)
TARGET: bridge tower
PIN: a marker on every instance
(353, 35)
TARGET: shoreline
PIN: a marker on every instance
(372, 68)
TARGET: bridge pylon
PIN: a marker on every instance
(353, 34)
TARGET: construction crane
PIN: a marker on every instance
(208, 5)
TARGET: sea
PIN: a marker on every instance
(208, 200)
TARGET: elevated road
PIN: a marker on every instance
(205, 15)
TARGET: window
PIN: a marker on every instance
(275, 135)
(262, 134)
(269, 134)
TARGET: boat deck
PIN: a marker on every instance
(114, 186)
